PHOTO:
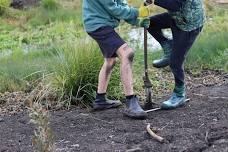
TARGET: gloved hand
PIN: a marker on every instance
(143, 22)
(143, 11)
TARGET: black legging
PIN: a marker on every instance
(182, 42)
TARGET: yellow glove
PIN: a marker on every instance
(143, 11)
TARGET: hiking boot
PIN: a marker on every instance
(133, 109)
(165, 60)
(102, 104)
(176, 100)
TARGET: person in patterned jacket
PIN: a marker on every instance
(185, 18)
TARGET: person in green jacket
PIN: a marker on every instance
(186, 19)
(100, 18)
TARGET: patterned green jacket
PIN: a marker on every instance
(187, 14)
(191, 15)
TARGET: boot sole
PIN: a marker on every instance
(170, 108)
(134, 115)
(99, 108)
(161, 66)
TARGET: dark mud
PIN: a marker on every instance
(200, 126)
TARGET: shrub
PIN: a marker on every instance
(3, 5)
(42, 16)
(49, 4)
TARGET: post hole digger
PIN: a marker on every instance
(149, 104)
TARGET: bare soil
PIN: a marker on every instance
(200, 126)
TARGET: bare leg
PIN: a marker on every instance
(126, 56)
(105, 74)
(101, 103)
(133, 109)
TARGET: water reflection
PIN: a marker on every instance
(136, 39)
(5, 53)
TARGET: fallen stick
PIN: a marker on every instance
(187, 100)
(151, 110)
(206, 96)
(206, 136)
(155, 136)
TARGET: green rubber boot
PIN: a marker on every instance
(177, 99)
(164, 61)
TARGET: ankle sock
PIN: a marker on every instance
(100, 96)
(129, 97)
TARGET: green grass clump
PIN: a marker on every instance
(41, 16)
(4, 4)
(77, 71)
(211, 48)
(49, 4)
(21, 69)
(210, 52)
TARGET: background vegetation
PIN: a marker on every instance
(49, 41)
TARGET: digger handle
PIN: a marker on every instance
(145, 53)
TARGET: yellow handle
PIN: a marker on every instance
(144, 11)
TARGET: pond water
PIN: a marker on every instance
(5, 53)
(25, 49)
(136, 39)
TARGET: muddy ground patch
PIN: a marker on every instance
(201, 125)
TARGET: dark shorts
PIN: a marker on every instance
(108, 40)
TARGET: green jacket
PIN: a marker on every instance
(99, 13)
(190, 16)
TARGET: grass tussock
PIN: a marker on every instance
(77, 71)
(211, 48)
(49, 4)
(21, 69)
(4, 4)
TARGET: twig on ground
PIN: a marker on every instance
(137, 148)
(155, 136)
(201, 125)
(206, 136)
(201, 95)
(164, 126)
(187, 100)
(100, 120)
(88, 115)
(212, 112)
(152, 110)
